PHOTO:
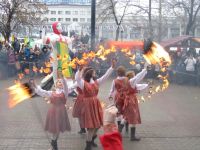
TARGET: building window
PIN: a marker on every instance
(53, 12)
(82, 13)
(60, 12)
(88, 12)
(52, 19)
(75, 19)
(60, 19)
(67, 19)
(82, 19)
(88, 20)
(75, 12)
(67, 12)
(46, 12)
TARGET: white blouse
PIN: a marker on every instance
(80, 81)
(48, 94)
(133, 82)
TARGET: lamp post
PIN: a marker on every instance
(93, 21)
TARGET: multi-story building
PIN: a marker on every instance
(71, 16)
(76, 14)
(80, 2)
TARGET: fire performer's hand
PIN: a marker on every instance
(114, 61)
(33, 83)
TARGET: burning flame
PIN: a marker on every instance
(157, 89)
(157, 54)
(17, 94)
(47, 70)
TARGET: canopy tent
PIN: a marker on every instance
(176, 41)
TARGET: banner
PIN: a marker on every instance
(63, 59)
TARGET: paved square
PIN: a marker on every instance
(170, 121)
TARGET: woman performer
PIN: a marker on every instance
(124, 90)
(91, 112)
(76, 113)
(57, 118)
(117, 92)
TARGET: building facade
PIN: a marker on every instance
(76, 15)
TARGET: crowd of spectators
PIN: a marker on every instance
(17, 57)
(185, 68)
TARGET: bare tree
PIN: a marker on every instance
(113, 9)
(144, 10)
(19, 12)
(188, 9)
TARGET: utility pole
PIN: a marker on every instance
(150, 22)
(93, 22)
(160, 22)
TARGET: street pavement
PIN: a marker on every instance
(170, 121)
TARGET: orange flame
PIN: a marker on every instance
(157, 54)
(46, 70)
(17, 94)
(132, 63)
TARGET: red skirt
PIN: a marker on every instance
(78, 105)
(119, 102)
(91, 113)
(57, 119)
(131, 110)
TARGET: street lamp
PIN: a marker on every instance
(93, 21)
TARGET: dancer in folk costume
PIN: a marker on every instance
(91, 112)
(76, 113)
(57, 118)
(131, 111)
(118, 91)
(111, 139)
(124, 90)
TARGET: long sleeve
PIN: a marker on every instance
(73, 87)
(65, 86)
(138, 78)
(79, 80)
(141, 86)
(42, 92)
(112, 90)
(105, 76)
